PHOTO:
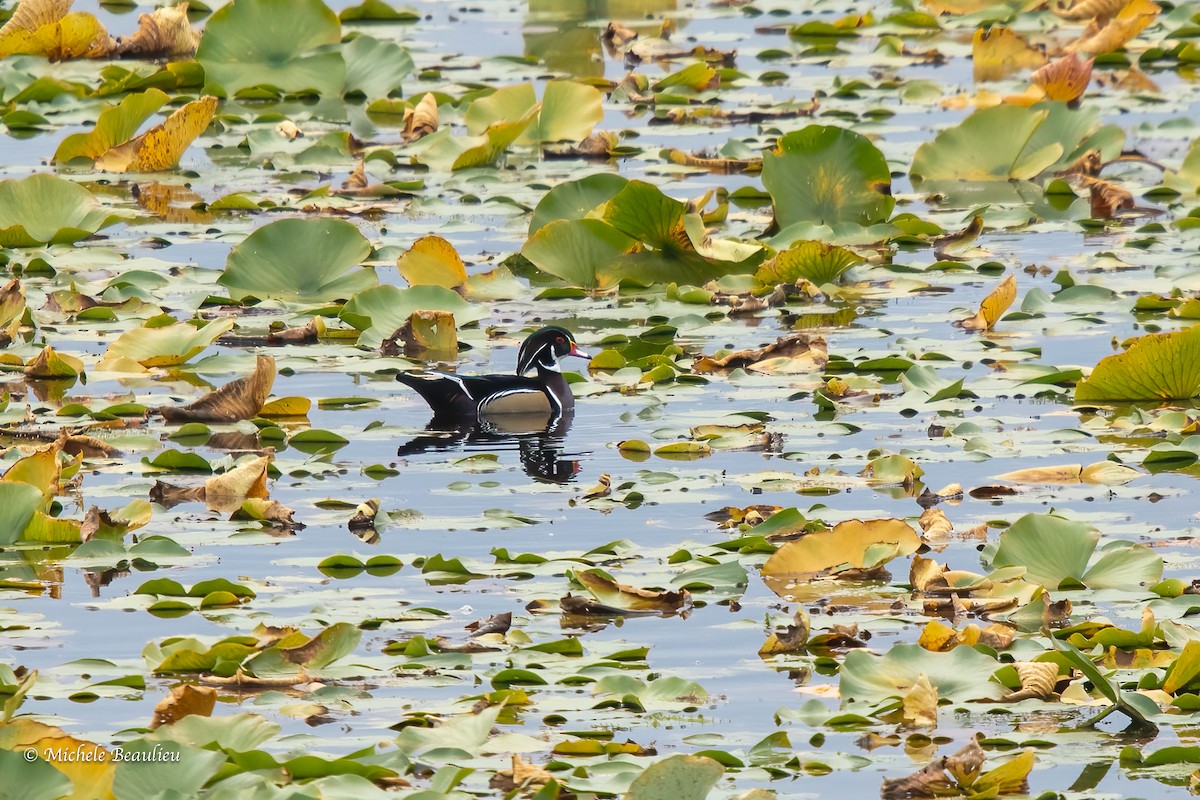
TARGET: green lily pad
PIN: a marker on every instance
(301, 261)
(169, 345)
(43, 209)
(962, 674)
(1160, 366)
(274, 43)
(827, 175)
(381, 311)
(1057, 553)
(1011, 142)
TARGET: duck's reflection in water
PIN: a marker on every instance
(537, 438)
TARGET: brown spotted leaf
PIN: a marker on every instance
(161, 147)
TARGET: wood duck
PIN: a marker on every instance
(461, 397)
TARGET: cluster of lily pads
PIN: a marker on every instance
(945, 534)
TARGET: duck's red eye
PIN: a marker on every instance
(559, 340)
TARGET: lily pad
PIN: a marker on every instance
(275, 43)
(300, 260)
(43, 209)
(380, 312)
(1057, 553)
(1160, 366)
(827, 175)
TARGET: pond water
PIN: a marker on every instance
(465, 500)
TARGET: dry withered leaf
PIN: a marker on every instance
(600, 145)
(184, 701)
(1087, 9)
(1038, 681)
(952, 246)
(227, 491)
(998, 52)
(358, 178)
(289, 130)
(272, 511)
(424, 334)
(714, 163)
(732, 516)
(51, 364)
(304, 334)
(422, 119)
(617, 35)
(522, 775)
(1131, 20)
(237, 400)
(993, 306)
(1064, 79)
(1107, 198)
(165, 33)
(364, 516)
(168, 495)
(790, 638)
(612, 597)
(603, 488)
(161, 147)
(944, 776)
(934, 523)
(918, 708)
(497, 623)
(795, 353)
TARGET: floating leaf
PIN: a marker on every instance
(618, 597)
(239, 399)
(818, 262)
(1160, 366)
(382, 311)
(18, 503)
(161, 147)
(274, 43)
(998, 52)
(44, 28)
(574, 200)
(300, 260)
(166, 346)
(184, 700)
(43, 209)
(994, 305)
(580, 251)
(1010, 142)
(1131, 20)
(827, 175)
(962, 674)
(677, 777)
(1057, 553)
(432, 261)
(116, 125)
(166, 33)
(852, 545)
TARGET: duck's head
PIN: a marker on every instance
(545, 347)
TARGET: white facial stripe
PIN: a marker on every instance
(461, 383)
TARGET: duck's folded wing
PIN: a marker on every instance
(446, 393)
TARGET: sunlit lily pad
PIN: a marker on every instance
(1160, 366)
